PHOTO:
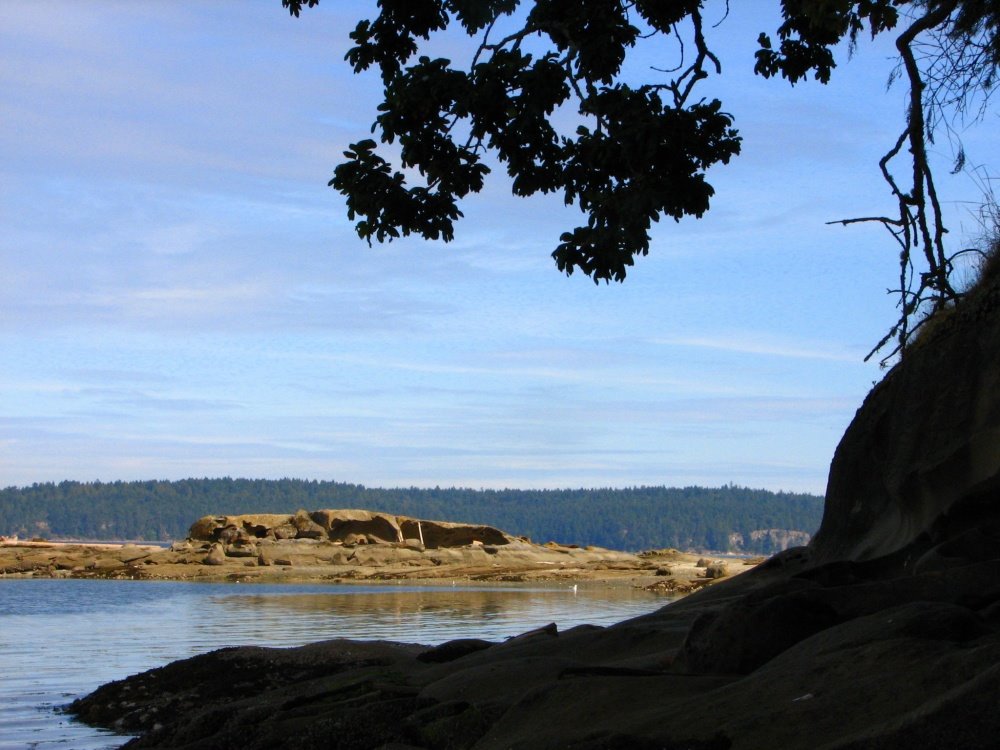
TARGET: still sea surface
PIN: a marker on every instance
(61, 639)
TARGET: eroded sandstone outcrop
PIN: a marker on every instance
(921, 460)
(347, 545)
(346, 526)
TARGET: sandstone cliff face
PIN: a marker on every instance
(349, 526)
(768, 541)
(922, 455)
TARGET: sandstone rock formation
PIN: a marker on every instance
(341, 546)
(921, 460)
(346, 526)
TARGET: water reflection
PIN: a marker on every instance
(425, 615)
(61, 639)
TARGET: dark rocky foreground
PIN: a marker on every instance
(836, 657)
(883, 633)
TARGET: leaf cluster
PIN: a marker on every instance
(638, 151)
(634, 152)
(812, 28)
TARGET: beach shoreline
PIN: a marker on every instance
(663, 571)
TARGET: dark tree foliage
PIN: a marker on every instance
(631, 519)
(949, 51)
(640, 150)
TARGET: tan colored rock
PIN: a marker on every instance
(258, 524)
(378, 555)
(348, 526)
(70, 563)
(333, 555)
(285, 531)
(716, 570)
(130, 553)
(203, 529)
(232, 534)
(359, 523)
(216, 555)
(105, 564)
(241, 550)
(306, 527)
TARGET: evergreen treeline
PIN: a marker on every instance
(628, 519)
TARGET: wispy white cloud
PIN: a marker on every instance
(742, 343)
(597, 376)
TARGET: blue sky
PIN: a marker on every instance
(181, 294)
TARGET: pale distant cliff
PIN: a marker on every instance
(768, 541)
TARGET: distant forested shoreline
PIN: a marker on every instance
(720, 518)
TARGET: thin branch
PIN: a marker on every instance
(860, 219)
(923, 182)
(685, 83)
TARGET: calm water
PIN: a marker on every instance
(60, 639)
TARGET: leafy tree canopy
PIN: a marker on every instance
(640, 150)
